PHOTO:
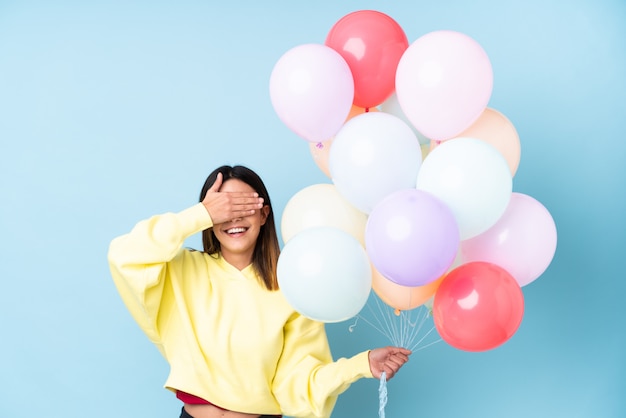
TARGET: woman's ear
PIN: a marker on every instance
(265, 211)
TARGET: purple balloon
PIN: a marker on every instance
(411, 237)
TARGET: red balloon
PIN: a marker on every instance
(478, 306)
(372, 44)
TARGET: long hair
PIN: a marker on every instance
(266, 250)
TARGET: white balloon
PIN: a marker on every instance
(473, 178)
(373, 155)
(321, 205)
(325, 274)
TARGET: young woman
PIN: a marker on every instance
(235, 347)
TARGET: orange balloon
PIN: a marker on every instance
(320, 151)
(496, 129)
(400, 297)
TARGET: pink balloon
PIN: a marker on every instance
(312, 89)
(444, 82)
(411, 237)
(523, 241)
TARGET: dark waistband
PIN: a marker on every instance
(185, 414)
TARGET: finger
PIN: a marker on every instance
(246, 204)
(402, 357)
(398, 355)
(240, 214)
(389, 373)
(246, 209)
(244, 197)
(393, 368)
(405, 351)
(394, 364)
(217, 184)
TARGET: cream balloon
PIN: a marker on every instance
(321, 205)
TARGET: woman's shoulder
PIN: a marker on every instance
(191, 262)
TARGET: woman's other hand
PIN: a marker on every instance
(388, 360)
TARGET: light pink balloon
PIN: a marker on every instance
(523, 241)
(444, 82)
(312, 89)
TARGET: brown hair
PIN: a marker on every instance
(266, 250)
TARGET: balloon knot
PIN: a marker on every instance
(319, 145)
(351, 327)
(397, 312)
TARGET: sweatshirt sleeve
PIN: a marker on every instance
(307, 381)
(138, 260)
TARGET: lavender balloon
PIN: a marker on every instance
(411, 237)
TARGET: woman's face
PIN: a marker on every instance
(238, 236)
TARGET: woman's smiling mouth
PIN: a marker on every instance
(236, 230)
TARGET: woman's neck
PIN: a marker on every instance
(239, 261)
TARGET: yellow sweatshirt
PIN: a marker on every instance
(226, 338)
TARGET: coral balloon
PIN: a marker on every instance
(444, 82)
(523, 241)
(478, 306)
(372, 44)
(403, 298)
(311, 89)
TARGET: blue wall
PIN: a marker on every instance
(113, 111)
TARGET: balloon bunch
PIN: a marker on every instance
(421, 208)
